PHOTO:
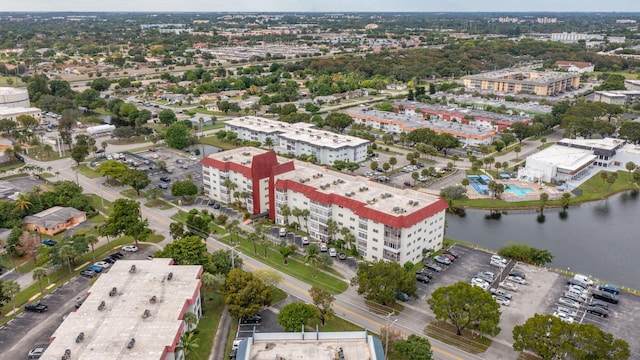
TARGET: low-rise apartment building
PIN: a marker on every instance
(514, 81)
(387, 222)
(300, 139)
(406, 122)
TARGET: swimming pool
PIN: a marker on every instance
(518, 191)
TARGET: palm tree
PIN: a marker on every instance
(265, 244)
(47, 150)
(104, 145)
(544, 197)
(286, 212)
(38, 275)
(188, 343)
(332, 228)
(630, 167)
(91, 241)
(22, 203)
(9, 154)
(191, 320)
(234, 229)
(10, 289)
(254, 238)
(517, 150)
(268, 142)
(201, 121)
(297, 213)
(68, 253)
(312, 258)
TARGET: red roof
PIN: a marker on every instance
(226, 166)
(361, 209)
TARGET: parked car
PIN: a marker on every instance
(599, 303)
(569, 302)
(407, 183)
(509, 286)
(422, 278)
(574, 296)
(442, 260)
(37, 351)
(479, 282)
(36, 307)
(517, 280)
(605, 296)
(324, 247)
(401, 296)
(103, 264)
(282, 232)
(566, 310)
(433, 267)
(452, 252)
(163, 186)
(165, 179)
(342, 256)
(117, 255)
(487, 276)
(502, 300)
(498, 258)
(498, 264)
(501, 292)
(577, 283)
(449, 256)
(251, 320)
(597, 310)
(425, 272)
(95, 268)
(305, 240)
(518, 273)
(109, 260)
(584, 279)
(130, 248)
(49, 242)
(333, 252)
(88, 273)
(609, 288)
(564, 317)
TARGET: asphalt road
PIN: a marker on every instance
(30, 328)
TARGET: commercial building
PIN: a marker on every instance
(571, 160)
(575, 66)
(514, 81)
(311, 345)
(617, 97)
(474, 117)
(133, 311)
(54, 220)
(387, 222)
(100, 130)
(12, 113)
(406, 122)
(14, 97)
(300, 139)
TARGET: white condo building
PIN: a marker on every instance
(134, 311)
(387, 222)
(300, 139)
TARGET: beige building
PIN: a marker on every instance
(514, 81)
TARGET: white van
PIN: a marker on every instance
(283, 232)
(333, 252)
(583, 279)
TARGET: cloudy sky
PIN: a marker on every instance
(321, 5)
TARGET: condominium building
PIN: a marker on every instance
(513, 81)
(300, 139)
(14, 97)
(387, 222)
(133, 311)
(617, 97)
(408, 121)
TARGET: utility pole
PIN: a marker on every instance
(386, 341)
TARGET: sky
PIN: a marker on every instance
(322, 5)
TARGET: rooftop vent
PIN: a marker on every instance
(80, 337)
(113, 292)
(131, 343)
(246, 153)
(101, 306)
(153, 299)
(67, 354)
(170, 276)
(133, 269)
(146, 314)
(410, 202)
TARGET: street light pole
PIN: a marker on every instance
(386, 341)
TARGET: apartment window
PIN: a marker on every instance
(362, 235)
(375, 231)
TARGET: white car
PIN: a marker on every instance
(103, 264)
(130, 248)
(568, 311)
(305, 240)
(193, 158)
(323, 247)
(109, 157)
(502, 300)
(498, 264)
(569, 302)
(498, 258)
(509, 286)
(333, 252)
(155, 156)
(564, 317)
(479, 282)
(517, 280)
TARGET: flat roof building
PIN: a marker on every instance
(133, 311)
(14, 97)
(387, 222)
(311, 345)
(513, 81)
(408, 121)
(12, 113)
(618, 97)
(300, 139)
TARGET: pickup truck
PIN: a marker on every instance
(36, 307)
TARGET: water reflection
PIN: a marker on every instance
(563, 215)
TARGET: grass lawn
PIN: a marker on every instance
(15, 176)
(335, 323)
(87, 171)
(445, 332)
(97, 201)
(11, 81)
(277, 295)
(214, 141)
(10, 166)
(131, 193)
(212, 306)
(163, 205)
(214, 228)
(294, 268)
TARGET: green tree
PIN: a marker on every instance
(544, 197)
(11, 289)
(189, 250)
(380, 281)
(444, 142)
(292, 317)
(191, 320)
(455, 192)
(91, 240)
(565, 200)
(312, 258)
(630, 166)
(38, 275)
(221, 261)
(338, 121)
(79, 153)
(68, 254)
(188, 343)
(126, 219)
(245, 295)
(285, 251)
(414, 348)
(27, 121)
(185, 188)
(167, 117)
(517, 149)
(466, 306)
(323, 300)
(393, 161)
(178, 136)
(197, 226)
(176, 230)
(137, 179)
(611, 179)
(112, 169)
(525, 253)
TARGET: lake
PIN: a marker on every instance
(598, 238)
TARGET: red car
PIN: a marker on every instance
(449, 256)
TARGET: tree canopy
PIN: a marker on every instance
(292, 317)
(245, 295)
(380, 281)
(178, 135)
(526, 253)
(186, 251)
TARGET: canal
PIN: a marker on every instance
(599, 238)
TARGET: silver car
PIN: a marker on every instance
(569, 303)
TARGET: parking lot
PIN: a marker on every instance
(539, 295)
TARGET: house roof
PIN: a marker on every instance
(52, 216)
(578, 64)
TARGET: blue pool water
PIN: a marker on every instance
(518, 191)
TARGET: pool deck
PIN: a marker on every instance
(534, 195)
